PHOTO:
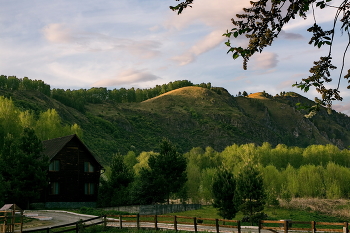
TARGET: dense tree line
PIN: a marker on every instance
(150, 178)
(321, 171)
(313, 171)
(79, 98)
(47, 125)
(13, 83)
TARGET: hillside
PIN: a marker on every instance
(194, 117)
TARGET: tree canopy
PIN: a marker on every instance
(164, 175)
(23, 168)
(263, 22)
(224, 188)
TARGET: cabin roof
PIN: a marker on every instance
(10, 207)
(53, 146)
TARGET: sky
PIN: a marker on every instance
(73, 44)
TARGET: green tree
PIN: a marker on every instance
(207, 178)
(263, 22)
(224, 186)
(115, 189)
(165, 176)
(130, 160)
(250, 193)
(23, 167)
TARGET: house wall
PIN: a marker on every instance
(71, 177)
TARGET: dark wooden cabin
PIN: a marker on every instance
(73, 173)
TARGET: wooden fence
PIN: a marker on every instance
(197, 224)
(193, 224)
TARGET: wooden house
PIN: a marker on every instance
(73, 173)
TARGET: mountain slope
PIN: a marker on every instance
(194, 117)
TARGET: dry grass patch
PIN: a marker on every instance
(338, 207)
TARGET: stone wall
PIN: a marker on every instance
(156, 209)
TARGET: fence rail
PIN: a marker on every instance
(77, 226)
(197, 224)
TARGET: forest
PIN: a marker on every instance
(318, 171)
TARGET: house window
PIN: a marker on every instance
(89, 189)
(54, 165)
(88, 167)
(55, 188)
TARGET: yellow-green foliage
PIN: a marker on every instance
(321, 171)
(48, 124)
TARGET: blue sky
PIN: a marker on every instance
(141, 43)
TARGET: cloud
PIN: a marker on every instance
(209, 42)
(265, 60)
(214, 16)
(239, 78)
(96, 42)
(128, 76)
(290, 35)
(285, 84)
(211, 13)
(57, 33)
(344, 108)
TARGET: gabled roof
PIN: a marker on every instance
(10, 207)
(53, 146)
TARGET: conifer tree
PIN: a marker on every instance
(23, 168)
(166, 175)
(224, 187)
(250, 194)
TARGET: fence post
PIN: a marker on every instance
(285, 226)
(48, 230)
(120, 222)
(104, 221)
(195, 224)
(155, 222)
(175, 223)
(313, 226)
(345, 227)
(239, 226)
(259, 226)
(77, 227)
(217, 225)
(138, 221)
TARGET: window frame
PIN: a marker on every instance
(88, 167)
(55, 188)
(56, 165)
(89, 188)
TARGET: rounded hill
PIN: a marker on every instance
(191, 97)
